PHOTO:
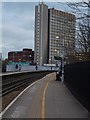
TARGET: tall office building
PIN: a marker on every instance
(41, 34)
(61, 34)
(54, 34)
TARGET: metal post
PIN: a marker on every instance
(13, 62)
(63, 63)
(89, 24)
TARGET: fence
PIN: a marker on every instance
(29, 68)
(77, 80)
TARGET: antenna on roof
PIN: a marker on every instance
(41, 1)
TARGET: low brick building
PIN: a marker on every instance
(27, 55)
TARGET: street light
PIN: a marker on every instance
(62, 62)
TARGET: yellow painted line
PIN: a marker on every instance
(43, 101)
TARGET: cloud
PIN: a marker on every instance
(15, 32)
(18, 20)
(0, 27)
(43, 0)
(17, 27)
(15, 38)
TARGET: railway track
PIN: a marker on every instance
(18, 80)
(13, 84)
(6, 88)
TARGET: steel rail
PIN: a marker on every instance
(10, 87)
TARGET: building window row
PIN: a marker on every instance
(60, 27)
(59, 22)
(63, 17)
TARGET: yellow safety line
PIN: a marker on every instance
(43, 101)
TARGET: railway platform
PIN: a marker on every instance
(46, 98)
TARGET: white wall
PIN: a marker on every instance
(29, 68)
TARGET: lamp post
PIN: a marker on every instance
(89, 25)
(19, 64)
(62, 61)
(13, 62)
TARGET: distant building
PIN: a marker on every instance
(82, 56)
(27, 55)
(78, 57)
(52, 27)
(61, 34)
(41, 34)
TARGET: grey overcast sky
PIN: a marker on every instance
(18, 23)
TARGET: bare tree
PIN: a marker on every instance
(82, 11)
